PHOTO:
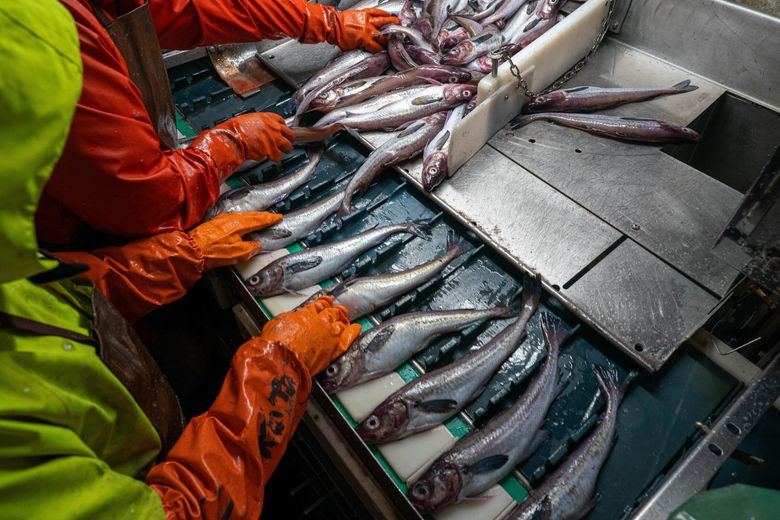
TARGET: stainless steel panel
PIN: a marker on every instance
(731, 44)
(538, 227)
(693, 473)
(296, 62)
(640, 302)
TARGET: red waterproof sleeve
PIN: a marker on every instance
(145, 274)
(224, 458)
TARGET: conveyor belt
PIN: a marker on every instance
(656, 421)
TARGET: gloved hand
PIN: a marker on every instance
(221, 239)
(318, 332)
(254, 136)
(348, 29)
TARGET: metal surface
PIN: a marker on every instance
(239, 66)
(751, 241)
(692, 474)
(295, 62)
(731, 44)
(619, 16)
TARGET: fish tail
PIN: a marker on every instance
(532, 291)
(456, 245)
(608, 380)
(346, 206)
(420, 229)
(684, 86)
(554, 334)
(315, 154)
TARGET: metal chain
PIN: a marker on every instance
(522, 83)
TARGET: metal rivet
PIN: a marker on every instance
(506, 97)
(635, 227)
(67, 346)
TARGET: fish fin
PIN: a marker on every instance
(420, 228)
(379, 339)
(491, 463)
(540, 437)
(638, 119)
(294, 292)
(238, 193)
(608, 379)
(336, 289)
(587, 507)
(441, 141)
(685, 86)
(411, 129)
(478, 498)
(576, 89)
(522, 120)
(533, 23)
(457, 245)
(426, 100)
(280, 233)
(554, 332)
(438, 405)
(483, 37)
(433, 81)
(303, 265)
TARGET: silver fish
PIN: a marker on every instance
(469, 50)
(568, 491)
(373, 104)
(380, 350)
(435, 156)
(310, 266)
(402, 111)
(335, 68)
(414, 35)
(402, 146)
(548, 8)
(298, 224)
(393, 7)
(507, 10)
(514, 28)
(589, 99)
(616, 127)
(262, 196)
(373, 65)
(366, 294)
(534, 29)
(398, 56)
(485, 456)
(440, 394)
(358, 91)
(407, 15)
(423, 56)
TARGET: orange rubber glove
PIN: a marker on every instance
(254, 136)
(221, 239)
(318, 332)
(348, 29)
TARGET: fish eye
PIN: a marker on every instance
(420, 490)
(332, 370)
(433, 170)
(372, 422)
(467, 93)
(254, 280)
(453, 79)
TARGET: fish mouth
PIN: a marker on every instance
(440, 486)
(434, 170)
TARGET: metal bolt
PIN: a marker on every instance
(635, 227)
(494, 57)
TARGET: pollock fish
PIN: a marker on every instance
(335, 68)
(469, 50)
(297, 224)
(407, 15)
(507, 10)
(514, 28)
(616, 127)
(414, 35)
(439, 11)
(548, 8)
(402, 146)
(364, 295)
(484, 457)
(313, 265)
(440, 394)
(399, 57)
(262, 196)
(372, 105)
(435, 155)
(589, 99)
(393, 7)
(439, 98)
(424, 25)
(358, 91)
(568, 492)
(423, 56)
(373, 65)
(380, 350)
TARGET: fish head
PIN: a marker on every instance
(267, 280)
(387, 420)
(461, 53)
(545, 101)
(327, 99)
(438, 487)
(343, 372)
(459, 93)
(434, 170)
(424, 25)
(691, 135)
(549, 8)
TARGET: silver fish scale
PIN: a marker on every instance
(376, 103)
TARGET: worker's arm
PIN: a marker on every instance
(224, 458)
(143, 275)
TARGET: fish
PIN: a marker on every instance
(568, 491)
(374, 104)
(373, 65)
(407, 15)
(617, 127)
(335, 68)
(449, 39)
(547, 9)
(436, 155)
(357, 91)
(534, 29)
(515, 26)
(394, 7)
(589, 99)
(507, 10)
(485, 456)
(380, 350)
(438, 395)
(262, 196)
(393, 115)
(413, 35)
(440, 10)
(471, 49)
(364, 295)
(306, 135)
(398, 56)
(424, 25)
(297, 224)
(313, 265)
(400, 147)
(423, 56)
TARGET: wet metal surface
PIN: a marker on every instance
(239, 66)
